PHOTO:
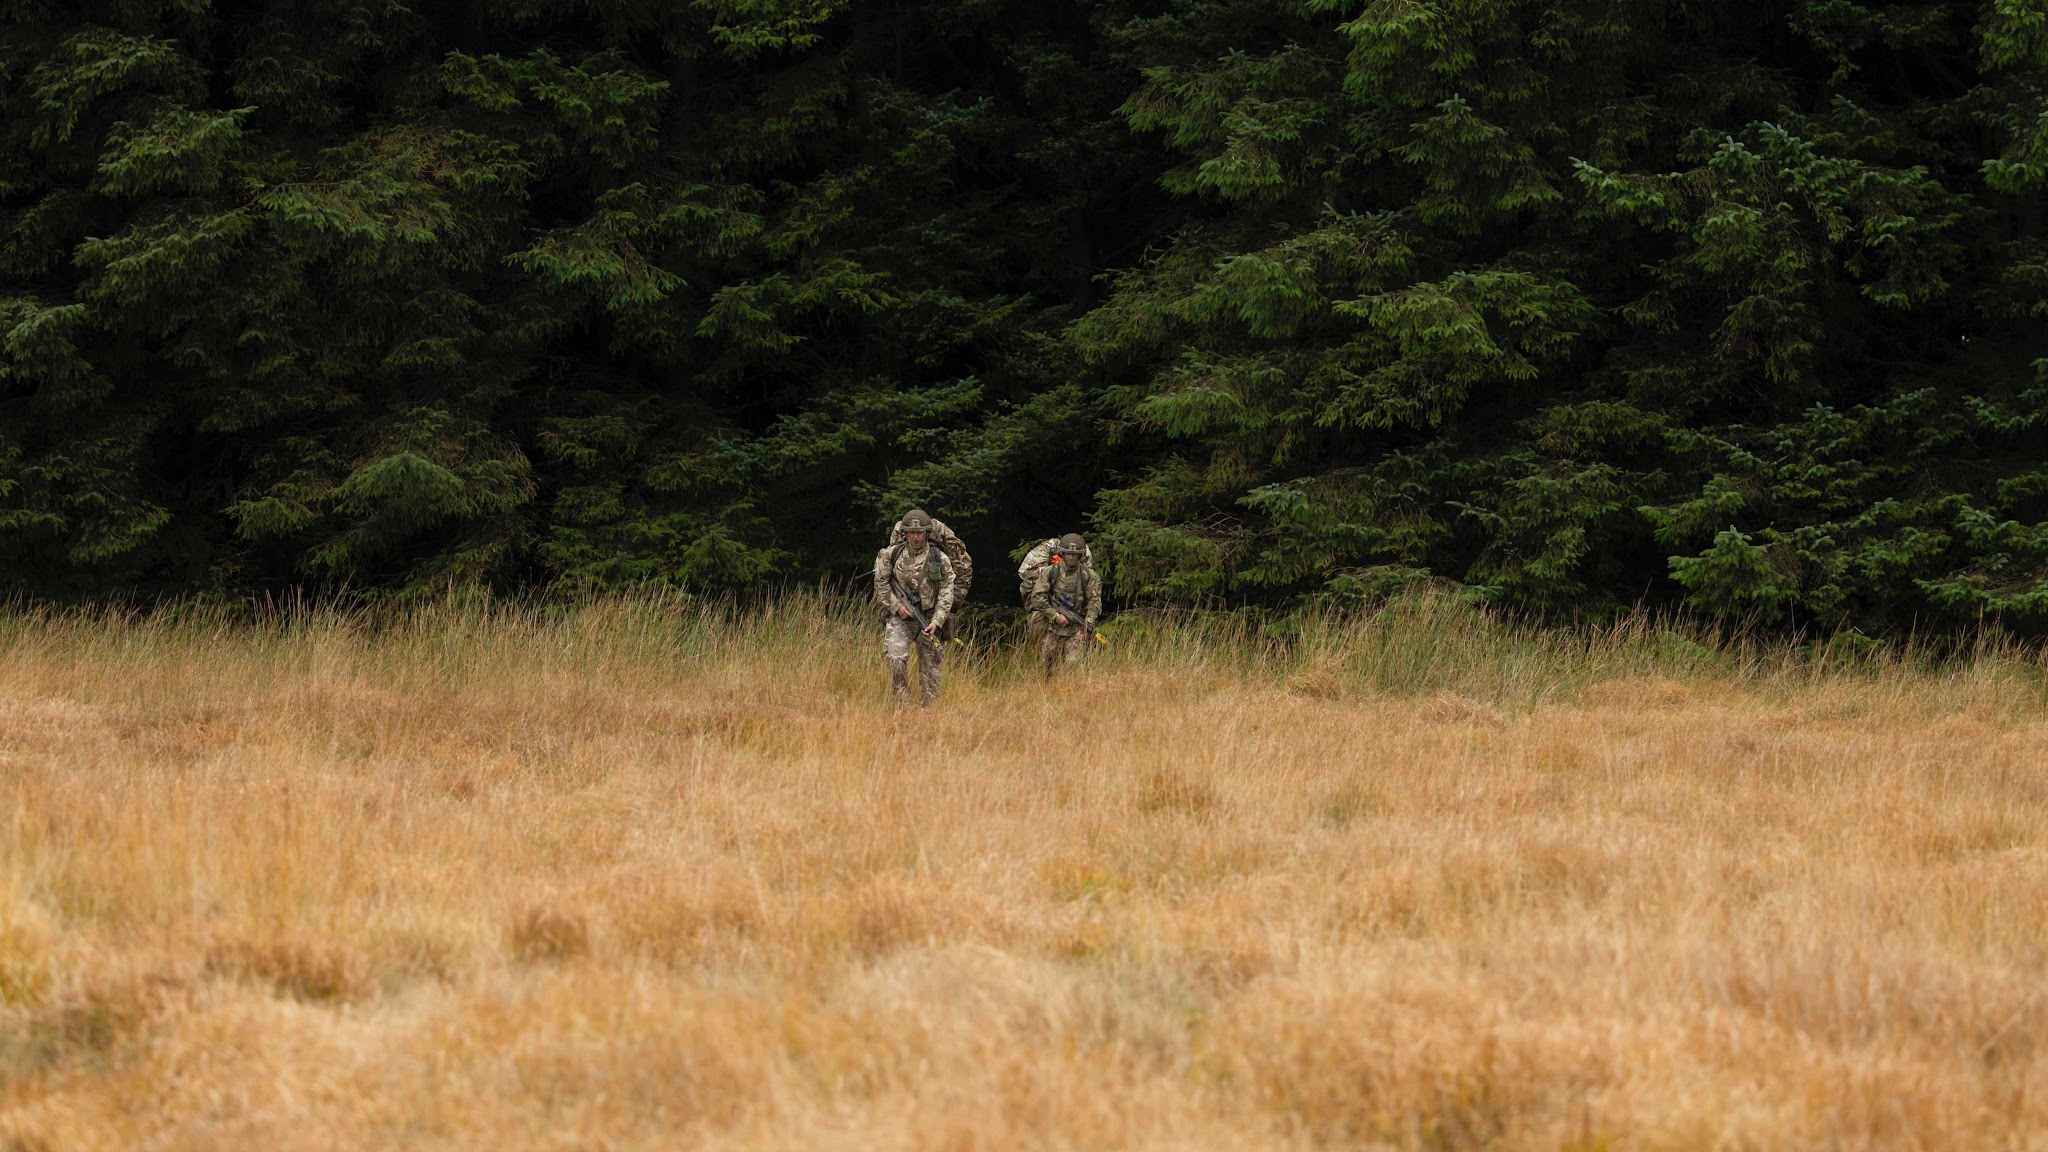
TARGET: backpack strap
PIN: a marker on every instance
(895, 550)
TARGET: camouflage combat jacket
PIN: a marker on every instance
(929, 571)
(955, 549)
(1078, 583)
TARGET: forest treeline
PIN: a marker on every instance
(1729, 305)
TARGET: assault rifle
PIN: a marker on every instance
(1073, 614)
(915, 602)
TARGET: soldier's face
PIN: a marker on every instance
(914, 539)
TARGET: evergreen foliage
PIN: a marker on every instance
(1584, 303)
(1579, 303)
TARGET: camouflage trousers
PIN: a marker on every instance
(899, 638)
(1062, 648)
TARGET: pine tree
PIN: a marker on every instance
(1583, 304)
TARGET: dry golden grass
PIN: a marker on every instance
(629, 878)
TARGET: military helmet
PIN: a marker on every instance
(916, 521)
(1072, 544)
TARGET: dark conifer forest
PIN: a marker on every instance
(1729, 306)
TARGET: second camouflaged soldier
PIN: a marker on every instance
(1035, 561)
(914, 590)
(1040, 555)
(1066, 601)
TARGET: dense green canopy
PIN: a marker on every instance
(1581, 303)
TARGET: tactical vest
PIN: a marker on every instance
(932, 571)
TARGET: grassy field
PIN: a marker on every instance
(645, 877)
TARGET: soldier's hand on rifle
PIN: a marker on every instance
(931, 629)
(903, 611)
(1060, 619)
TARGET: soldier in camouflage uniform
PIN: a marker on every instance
(913, 579)
(1066, 601)
(1041, 554)
(963, 567)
